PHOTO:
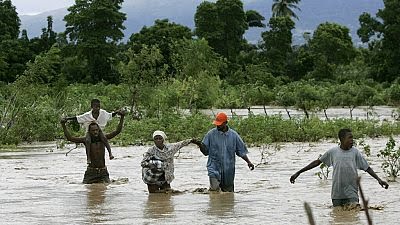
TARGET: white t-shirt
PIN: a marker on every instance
(345, 164)
(87, 118)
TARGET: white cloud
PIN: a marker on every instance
(29, 7)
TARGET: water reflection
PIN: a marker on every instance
(341, 215)
(95, 202)
(221, 203)
(159, 205)
(47, 189)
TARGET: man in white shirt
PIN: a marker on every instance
(99, 116)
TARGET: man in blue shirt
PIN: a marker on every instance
(221, 144)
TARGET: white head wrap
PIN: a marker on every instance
(161, 133)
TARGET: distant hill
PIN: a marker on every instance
(143, 13)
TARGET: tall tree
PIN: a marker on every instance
(383, 34)
(285, 8)
(11, 60)
(9, 21)
(163, 34)
(223, 25)
(95, 27)
(330, 46)
(333, 42)
(15, 54)
(277, 43)
(46, 39)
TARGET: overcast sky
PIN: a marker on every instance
(29, 7)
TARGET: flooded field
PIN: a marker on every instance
(41, 185)
(361, 112)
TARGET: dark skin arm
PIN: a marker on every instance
(119, 127)
(68, 135)
(203, 150)
(249, 164)
(310, 166)
(202, 147)
(373, 174)
(82, 139)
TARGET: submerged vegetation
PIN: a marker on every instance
(167, 73)
(32, 113)
(391, 159)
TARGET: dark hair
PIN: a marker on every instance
(92, 124)
(342, 133)
(95, 100)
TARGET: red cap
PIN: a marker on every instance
(220, 119)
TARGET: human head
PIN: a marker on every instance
(94, 129)
(159, 137)
(346, 138)
(95, 104)
(221, 119)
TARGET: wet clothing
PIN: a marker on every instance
(344, 177)
(221, 148)
(154, 174)
(345, 201)
(158, 164)
(87, 118)
(96, 175)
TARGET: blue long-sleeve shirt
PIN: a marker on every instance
(221, 148)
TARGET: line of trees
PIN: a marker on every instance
(91, 49)
(167, 66)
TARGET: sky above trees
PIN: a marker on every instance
(29, 7)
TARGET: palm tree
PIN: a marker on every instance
(284, 8)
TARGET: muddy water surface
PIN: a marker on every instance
(41, 185)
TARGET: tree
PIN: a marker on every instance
(284, 8)
(14, 53)
(333, 41)
(198, 67)
(163, 34)
(306, 96)
(193, 58)
(254, 19)
(349, 95)
(95, 27)
(46, 39)
(223, 25)
(233, 17)
(143, 69)
(277, 43)
(9, 21)
(382, 35)
(46, 68)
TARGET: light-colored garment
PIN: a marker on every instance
(161, 133)
(87, 118)
(166, 155)
(344, 177)
(221, 148)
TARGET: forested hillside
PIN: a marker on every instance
(144, 12)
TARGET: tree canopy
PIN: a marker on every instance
(95, 27)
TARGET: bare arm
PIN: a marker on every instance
(119, 128)
(201, 146)
(71, 118)
(249, 164)
(68, 135)
(373, 174)
(310, 166)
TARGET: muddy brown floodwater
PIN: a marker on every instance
(41, 185)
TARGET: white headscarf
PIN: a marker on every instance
(161, 133)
